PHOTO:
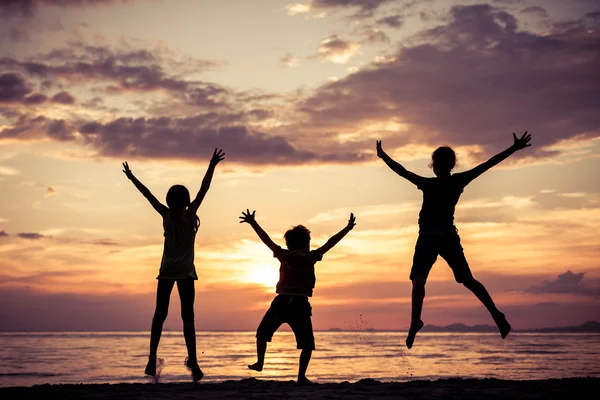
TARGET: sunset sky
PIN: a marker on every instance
(296, 94)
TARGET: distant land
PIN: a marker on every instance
(587, 327)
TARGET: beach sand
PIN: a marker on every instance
(468, 389)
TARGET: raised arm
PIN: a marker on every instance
(397, 168)
(158, 206)
(249, 217)
(216, 157)
(338, 236)
(519, 144)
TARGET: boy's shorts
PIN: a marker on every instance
(446, 243)
(296, 312)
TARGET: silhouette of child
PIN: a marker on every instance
(180, 224)
(296, 282)
(437, 233)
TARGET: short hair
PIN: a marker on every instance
(443, 159)
(297, 237)
(178, 197)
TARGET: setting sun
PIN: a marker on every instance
(265, 275)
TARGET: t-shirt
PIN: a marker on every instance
(440, 196)
(178, 254)
(297, 271)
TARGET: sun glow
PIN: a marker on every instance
(265, 275)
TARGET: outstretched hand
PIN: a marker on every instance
(380, 151)
(217, 156)
(127, 171)
(248, 216)
(522, 142)
(351, 222)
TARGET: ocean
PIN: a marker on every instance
(29, 358)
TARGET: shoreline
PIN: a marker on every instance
(252, 388)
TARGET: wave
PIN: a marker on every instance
(29, 374)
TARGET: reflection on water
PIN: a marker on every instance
(33, 358)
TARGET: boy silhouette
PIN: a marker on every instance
(296, 282)
(437, 233)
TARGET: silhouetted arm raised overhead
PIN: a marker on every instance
(249, 217)
(397, 168)
(216, 157)
(519, 144)
(338, 236)
(158, 206)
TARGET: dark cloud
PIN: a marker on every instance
(28, 127)
(63, 98)
(370, 35)
(3, 234)
(474, 80)
(567, 283)
(535, 10)
(104, 242)
(116, 71)
(13, 88)
(364, 6)
(183, 137)
(29, 8)
(36, 98)
(392, 21)
(30, 235)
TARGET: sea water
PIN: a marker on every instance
(110, 357)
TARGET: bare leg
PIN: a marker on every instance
(163, 295)
(418, 295)
(303, 365)
(482, 294)
(187, 295)
(261, 350)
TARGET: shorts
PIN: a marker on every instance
(445, 243)
(296, 312)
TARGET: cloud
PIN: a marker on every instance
(473, 80)
(365, 7)
(295, 9)
(50, 191)
(337, 50)
(535, 10)
(567, 283)
(289, 60)
(392, 21)
(371, 35)
(13, 87)
(63, 98)
(29, 8)
(116, 70)
(31, 235)
(3, 234)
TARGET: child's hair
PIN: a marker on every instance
(178, 197)
(297, 237)
(443, 159)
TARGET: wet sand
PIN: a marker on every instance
(467, 389)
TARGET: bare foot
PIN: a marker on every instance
(153, 369)
(412, 332)
(304, 381)
(503, 325)
(193, 366)
(256, 367)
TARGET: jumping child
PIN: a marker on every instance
(296, 282)
(180, 224)
(437, 233)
